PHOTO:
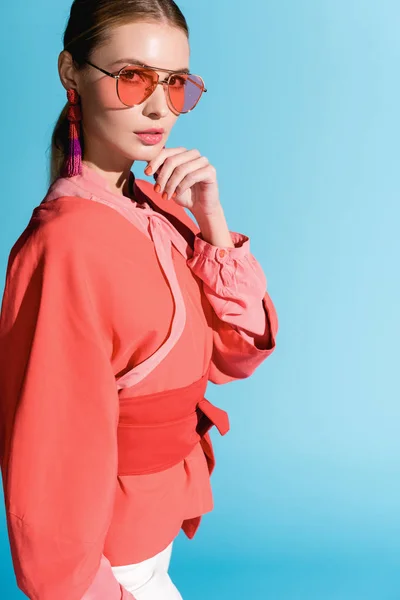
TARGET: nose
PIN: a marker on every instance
(157, 102)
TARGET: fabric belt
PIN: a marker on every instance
(157, 431)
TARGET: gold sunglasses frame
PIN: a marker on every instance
(164, 83)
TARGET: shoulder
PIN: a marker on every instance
(67, 230)
(71, 218)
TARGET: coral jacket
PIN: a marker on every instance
(109, 299)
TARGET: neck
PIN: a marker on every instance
(120, 183)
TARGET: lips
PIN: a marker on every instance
(151, 131)
(150, 139)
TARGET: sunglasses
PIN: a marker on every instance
(135, 83)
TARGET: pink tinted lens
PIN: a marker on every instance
(185, 91)
(135, 85)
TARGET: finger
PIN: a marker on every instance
(171, 163)
(156, 174)
(181, 171)
(150, 167)
(155, 162)
(205, 174)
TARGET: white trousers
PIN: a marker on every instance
(149, 579)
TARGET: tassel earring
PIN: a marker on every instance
(73, 163)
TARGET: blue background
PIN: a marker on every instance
(301, 122)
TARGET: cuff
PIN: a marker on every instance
(241, 242)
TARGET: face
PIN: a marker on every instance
(108, 125)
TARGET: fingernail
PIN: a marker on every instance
(164, 196)
(157, 187)
(148, 170)
(174, 194)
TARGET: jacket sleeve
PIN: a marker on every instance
(245, 322)
(59, 413)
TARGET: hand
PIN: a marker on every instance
(187, 178)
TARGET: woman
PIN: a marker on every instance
(117, 310)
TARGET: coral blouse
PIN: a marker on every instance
(108, 297)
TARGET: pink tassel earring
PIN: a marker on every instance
(73, 163)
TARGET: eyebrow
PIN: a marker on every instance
(135, 61)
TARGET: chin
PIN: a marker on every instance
(142, 152)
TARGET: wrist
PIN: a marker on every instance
(213, 227)
(201, 215)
